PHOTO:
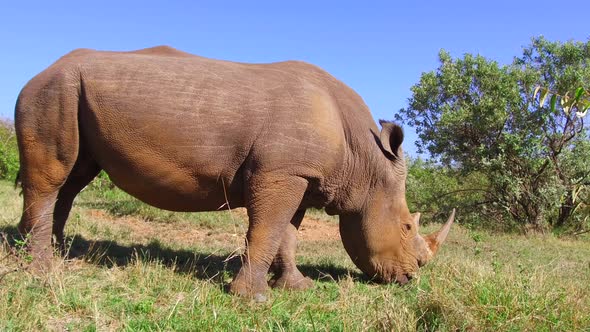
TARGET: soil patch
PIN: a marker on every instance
(189, 234)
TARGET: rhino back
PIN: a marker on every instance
(199, 125)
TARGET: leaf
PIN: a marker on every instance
(553, 102)
(536, 91)
(564, 99)
(583, 108)
(566, 103)
(579, 93)
(544, 94)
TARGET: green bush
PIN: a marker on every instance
(8, 151)
(434, 190)
(481, 119)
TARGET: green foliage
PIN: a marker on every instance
(577, 101)
(435, 190)
(482, 121)
(8, 151)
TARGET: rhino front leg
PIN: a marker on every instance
(42, 175)
(287, 275)
(272, 202)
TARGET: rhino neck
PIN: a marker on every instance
(362, 174)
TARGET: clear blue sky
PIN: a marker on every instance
(379, 48)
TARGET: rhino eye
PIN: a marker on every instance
(408, 227)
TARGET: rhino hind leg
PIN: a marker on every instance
(46, 126)
(85, 170)
(272, 202)
(42, 176)
(36, 224)
(286, 273)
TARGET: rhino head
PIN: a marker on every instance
(382, 238)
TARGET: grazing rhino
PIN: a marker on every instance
(187, 133)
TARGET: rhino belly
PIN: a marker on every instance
(169, 167)
(169, 188)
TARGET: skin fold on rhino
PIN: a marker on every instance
(186, 133)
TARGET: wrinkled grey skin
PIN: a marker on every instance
(186, 133)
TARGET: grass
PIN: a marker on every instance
(142, 269)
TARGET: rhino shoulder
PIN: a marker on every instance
(79, 52)
(162, 50)
(302, 67)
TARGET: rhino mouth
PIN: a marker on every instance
(400, 278)
(403, 279)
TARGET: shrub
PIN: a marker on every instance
(8, 151)
(482, 119)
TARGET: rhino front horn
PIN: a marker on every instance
(436, 239)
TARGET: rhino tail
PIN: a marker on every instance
(17, 182)
(17, 179)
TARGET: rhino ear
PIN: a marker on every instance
(391, 138)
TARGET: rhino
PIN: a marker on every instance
(187, 133)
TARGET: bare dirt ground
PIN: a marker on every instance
(318, 230)
(311, 229)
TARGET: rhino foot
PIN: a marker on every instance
(293, 281)
(249, 285)
(40, 264)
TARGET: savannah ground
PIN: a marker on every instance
(138, 268)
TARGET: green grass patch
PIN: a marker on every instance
(142, 269)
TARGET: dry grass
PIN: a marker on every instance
(142, 269)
